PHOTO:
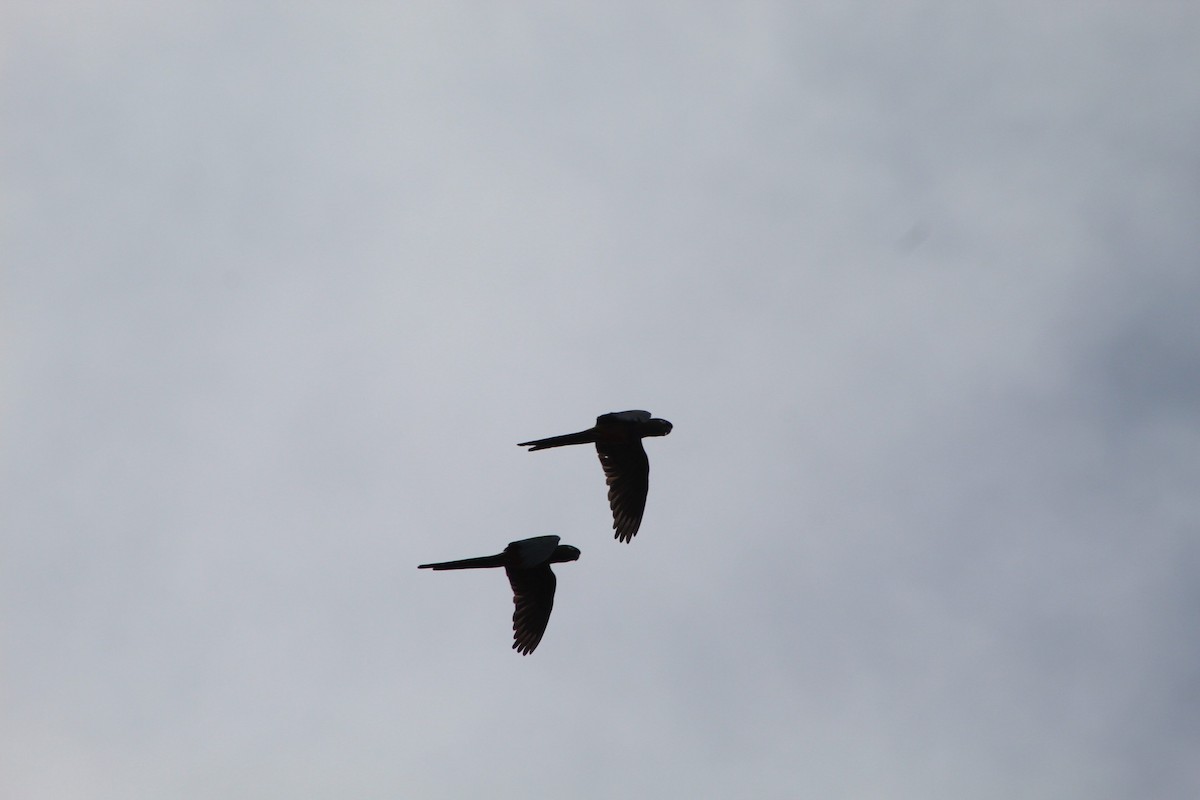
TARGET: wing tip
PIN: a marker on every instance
(524, 648)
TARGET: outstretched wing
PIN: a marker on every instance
(533, 597)
(528, 553)
(623, 416)
(627, 472)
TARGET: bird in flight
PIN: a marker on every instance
(527, 563)
(618, 439)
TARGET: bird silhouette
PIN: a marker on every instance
(618, 439)
(527, 564)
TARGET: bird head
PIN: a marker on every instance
(564, 552)
(658, 427)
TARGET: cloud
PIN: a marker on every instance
(284, 289)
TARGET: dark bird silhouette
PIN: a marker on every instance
(527, 564)
(618, 439)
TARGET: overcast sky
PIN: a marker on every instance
(284, 283)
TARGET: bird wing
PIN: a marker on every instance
(627, 472)
(533, 598)
(529, 553)
(624, 416)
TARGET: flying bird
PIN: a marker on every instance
(618, 439)
(527, 564)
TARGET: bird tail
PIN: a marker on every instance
(583, 437)
(468, 563)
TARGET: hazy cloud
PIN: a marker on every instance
(283, 287)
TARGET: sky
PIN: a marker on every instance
(283, 284)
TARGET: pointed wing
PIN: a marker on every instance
(533, 598)
(627, 472)
(528, 553)
(624, 416)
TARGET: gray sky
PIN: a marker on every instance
(283, 285)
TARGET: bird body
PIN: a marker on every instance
(618, 439)
(527, 565)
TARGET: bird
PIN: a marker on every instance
(618, 439)
(527, 564)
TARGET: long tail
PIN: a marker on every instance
(583, 437)
(468, 563)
